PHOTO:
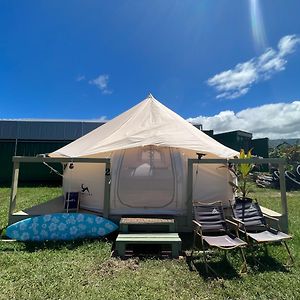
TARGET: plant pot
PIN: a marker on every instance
(239, 199)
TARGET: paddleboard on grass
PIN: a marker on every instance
(60, 226)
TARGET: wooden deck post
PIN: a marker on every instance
(284, 207)
(106, 204)
(14, 188)
(189, 204)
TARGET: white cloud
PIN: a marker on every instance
(288, 44)
(100, 119)
(80, 78)
(236, 82)
(101, 82)
(280, 120)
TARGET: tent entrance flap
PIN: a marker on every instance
(146, 178)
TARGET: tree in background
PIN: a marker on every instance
(291, 153)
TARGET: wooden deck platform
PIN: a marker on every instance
(155, 230)
(270, 212)
(127, 222)
(52, 206)
(172, 239)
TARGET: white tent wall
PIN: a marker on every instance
(89, 180)
(148, 180)
(211, 183)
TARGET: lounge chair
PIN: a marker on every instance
(212, 228)
(252, 223)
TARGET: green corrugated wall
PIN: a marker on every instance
(261, 148)
(33, 173)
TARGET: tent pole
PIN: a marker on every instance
(284, 222)
(14, 188)
(106, 204)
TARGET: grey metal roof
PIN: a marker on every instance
(45, 129)
(48, 129)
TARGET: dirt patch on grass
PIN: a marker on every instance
(114, 266)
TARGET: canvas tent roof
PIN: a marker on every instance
(147, 123)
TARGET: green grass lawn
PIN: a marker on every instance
(84, 270)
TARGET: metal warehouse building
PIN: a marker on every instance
(32, 137)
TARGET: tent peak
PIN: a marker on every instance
(150, 96)
(147, 123)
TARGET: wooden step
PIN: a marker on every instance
(171, 239)
(146, 222)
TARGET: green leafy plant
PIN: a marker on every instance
(242, 172)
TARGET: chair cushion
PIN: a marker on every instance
(211, 217)
(267, 236)
(249, 213)
(224, 241)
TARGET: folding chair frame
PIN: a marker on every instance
(198, 232)
(252, 242)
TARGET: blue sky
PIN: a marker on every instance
(209, 61)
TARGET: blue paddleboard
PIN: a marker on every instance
(60, 226)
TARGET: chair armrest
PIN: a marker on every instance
(238, 221)
(273, 230)
(197, 223)
(271, 218)
(234, 225)
(231, 223)
(240, 224)
(197, 228)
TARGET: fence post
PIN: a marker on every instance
(284, 207)
(14, 188)
(189, 204)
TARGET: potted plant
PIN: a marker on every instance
(242, 172)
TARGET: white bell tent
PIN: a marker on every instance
(148, 146)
